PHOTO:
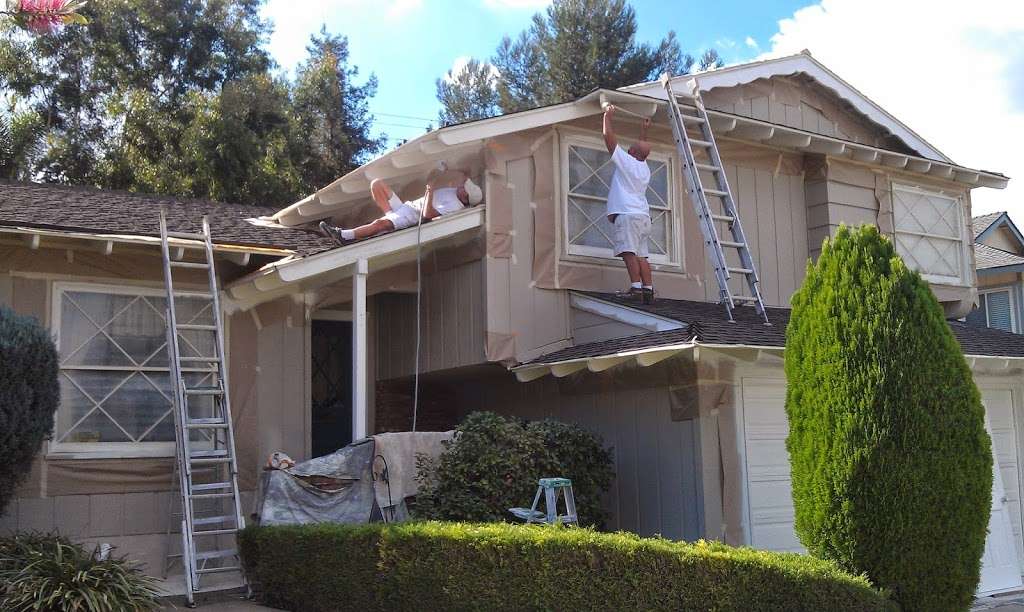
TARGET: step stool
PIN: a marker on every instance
(550, 487)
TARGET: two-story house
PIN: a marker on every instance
(517, 312)
(999, 253)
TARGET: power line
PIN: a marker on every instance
(405, 125)
(402, 116)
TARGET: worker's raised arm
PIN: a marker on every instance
(609, 133)
(643, 128)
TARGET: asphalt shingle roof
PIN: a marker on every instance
(987, 257)
(706, 323)
(981, 223)
(91, 210)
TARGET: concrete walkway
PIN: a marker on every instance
(216, 602)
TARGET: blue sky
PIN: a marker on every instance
(928, 62)
(409, 44)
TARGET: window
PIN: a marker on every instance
(996, 309)
(929, 233)
(114, 377)
(588, 174)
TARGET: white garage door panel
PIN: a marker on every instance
(768, 490)
(999, 406)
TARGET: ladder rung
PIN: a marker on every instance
(208, 460)
(726, 218)
(203, 391)
(211, 495)
(218, 570)
(744, 298)
(211, 486)
(193, 294)
(700, 143)
(196, 326)
(691, 118)
(216, 554)
(187, 236)
(707, 167)
(217, 452)
(730, 243)
(213, 520)
(741, 270)
(188, 264)
(198, 359)
(210, 532)
(206, 424)
(714, 192)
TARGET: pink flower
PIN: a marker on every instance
(43, 16)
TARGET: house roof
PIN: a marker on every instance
(457, 143)
(705, 324)
(99, 211)
(991, 259)
(804, 63)
(982, 222)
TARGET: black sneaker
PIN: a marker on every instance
(333, 233)
(635, 293)
(648, 295)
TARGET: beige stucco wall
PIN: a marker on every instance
(125, 501)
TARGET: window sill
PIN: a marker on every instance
(159, 452)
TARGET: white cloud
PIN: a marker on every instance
(516, 4)
(397, 9)
(750, 42)
(459, 64)
(952, 71)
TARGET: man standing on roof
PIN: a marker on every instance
(447, 193)
(628, 210)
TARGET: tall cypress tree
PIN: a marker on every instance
(891, 464)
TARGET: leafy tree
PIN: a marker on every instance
(332, 113)
(569, 50)
(468, 94)
(20, 144)
(891, 464)
(29, 394)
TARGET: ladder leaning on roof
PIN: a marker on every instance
(696, 118)
(211, 511)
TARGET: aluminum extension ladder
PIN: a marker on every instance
(728, 213)
(207, 471)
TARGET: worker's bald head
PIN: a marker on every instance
(640, 150)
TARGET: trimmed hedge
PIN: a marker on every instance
(497, 567)
(891, 464)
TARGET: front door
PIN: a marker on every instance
(331, 392)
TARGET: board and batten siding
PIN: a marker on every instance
(452, 324)
(657, 487)
(774, 218)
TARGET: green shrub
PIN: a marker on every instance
(29, 394)
(500, 566)
(891, 464)
(494, 462)
(47, 573)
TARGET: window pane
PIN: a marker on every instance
(659, 233)
(80, 417)
(137, 404)
(588, 224)
(657, 191)
(928, 232)
(999, 315)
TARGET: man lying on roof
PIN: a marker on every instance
(441, 197)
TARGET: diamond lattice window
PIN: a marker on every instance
(114, 376)
(588, 231)
(929, 233)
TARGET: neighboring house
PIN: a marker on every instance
(999, 253)
(518, 310)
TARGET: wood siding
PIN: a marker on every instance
(657, 486)
(452, 324)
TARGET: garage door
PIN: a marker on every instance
(766, 462)
(768, 490)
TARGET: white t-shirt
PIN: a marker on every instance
(628, 192)
(446, 200)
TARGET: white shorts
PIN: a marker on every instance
(632, 234)
(404, 214)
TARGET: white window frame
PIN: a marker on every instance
(673, 230)
(984, 293)
(940, 279)
(105, 450)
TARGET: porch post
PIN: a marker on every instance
(359, 368)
